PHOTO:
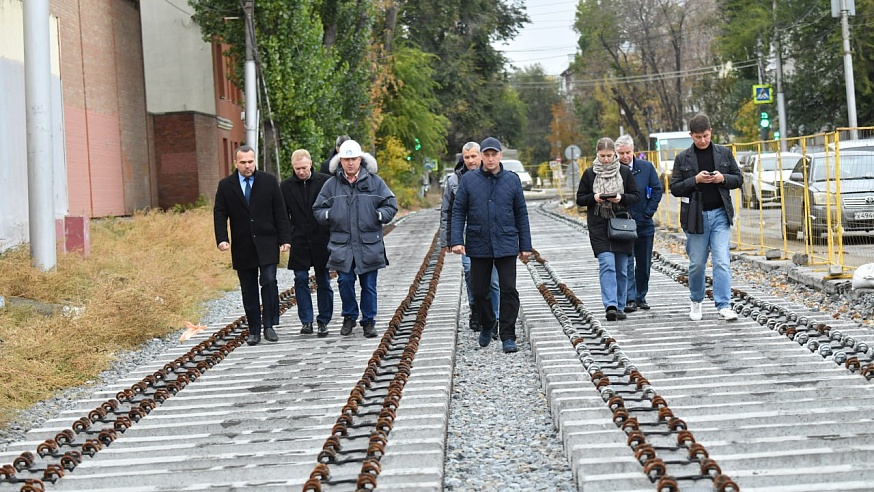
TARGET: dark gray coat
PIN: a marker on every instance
(355, 213)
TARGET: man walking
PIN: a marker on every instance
(702, 178)
(309, 243)
(251, 200)
(355, 203)
(640, 262)
(490, 225)
(470, 160)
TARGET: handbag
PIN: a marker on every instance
(622, 229)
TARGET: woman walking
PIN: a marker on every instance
(607, 189)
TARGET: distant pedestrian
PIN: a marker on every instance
(608, 189)
(309, 243)
(650, 188)
(355, 203)
(253, 203)
(490, 225)
(326, 165)
(702, 178)
(470, 160)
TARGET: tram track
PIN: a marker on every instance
(751, 391)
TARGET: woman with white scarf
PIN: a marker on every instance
(607, 189)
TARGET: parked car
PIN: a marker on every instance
(445, 176)
(762, 176)
(814, 179)
(518, 168)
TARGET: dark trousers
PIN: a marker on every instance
(640, 263)
(249, 282)
(480, 284)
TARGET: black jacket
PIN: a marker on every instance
(597, 224)
(309, 240)
(683, 183)
(258, 228)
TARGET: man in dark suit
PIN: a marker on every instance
(650, 188)
(252, 201)
(309, 242)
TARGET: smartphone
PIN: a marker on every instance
(605, 196)
(712, 173)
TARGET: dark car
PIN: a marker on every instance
(812, 191)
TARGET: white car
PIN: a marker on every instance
(762, 176)
(519, 169)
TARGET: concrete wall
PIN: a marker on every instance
(179, 63)
(14, 209)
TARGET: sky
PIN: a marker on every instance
(549, 39)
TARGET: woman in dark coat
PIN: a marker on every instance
(607, 189)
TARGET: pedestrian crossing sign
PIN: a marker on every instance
(762, 94)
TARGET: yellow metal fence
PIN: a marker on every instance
(803, 196)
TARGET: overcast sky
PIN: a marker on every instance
(548, 39)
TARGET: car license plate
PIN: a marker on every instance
(863, 215)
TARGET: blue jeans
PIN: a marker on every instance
(639, 265)
(324, 295)
(495, 292)
(350, 307)
(715, 241)
(612, 272)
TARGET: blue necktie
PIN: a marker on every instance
(248, 189)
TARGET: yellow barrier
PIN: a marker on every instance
(782, 210)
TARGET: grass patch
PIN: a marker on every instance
(145, 277)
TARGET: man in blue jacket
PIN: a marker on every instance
(639, 263)
(355, 203)
(490, 225)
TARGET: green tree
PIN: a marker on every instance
(539, 92)
(471, 78)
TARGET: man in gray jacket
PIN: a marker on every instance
(355, 203)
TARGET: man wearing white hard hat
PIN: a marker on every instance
(355, 203)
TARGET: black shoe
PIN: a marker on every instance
(348, 324)
(611, 313)
(323, 329)
(630, 307)
(496, 332)
(270, 335)
(620, 315)
(642, 305)
(253, 339)
(306, 329)
(473, 322)
(369, 329)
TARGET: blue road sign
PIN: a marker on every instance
(762, 94)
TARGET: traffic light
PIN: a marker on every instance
(764, 126)
(418, 145)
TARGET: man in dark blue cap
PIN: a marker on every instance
(490, 225)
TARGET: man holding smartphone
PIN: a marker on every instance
(706, 173)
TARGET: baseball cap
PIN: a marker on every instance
(349, 149)
(490, 143)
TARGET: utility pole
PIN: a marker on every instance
(778, 65)
(845, 7)
(38, 102)
(251, 88)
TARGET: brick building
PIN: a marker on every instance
(143, 115)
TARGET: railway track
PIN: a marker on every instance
(779, 400)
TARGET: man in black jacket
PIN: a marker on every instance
(251, 200)
(309, 242)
